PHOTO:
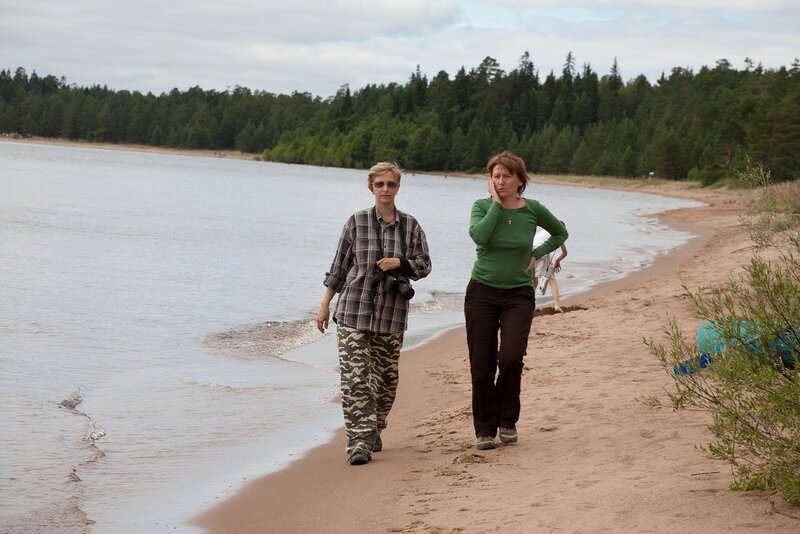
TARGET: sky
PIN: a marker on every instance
(318, 46)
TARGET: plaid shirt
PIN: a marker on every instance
(361, 305)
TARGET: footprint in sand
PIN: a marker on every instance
(447, 472)
(470, 458)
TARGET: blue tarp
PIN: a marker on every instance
(711, 340)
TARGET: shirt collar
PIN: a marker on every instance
(380, 219)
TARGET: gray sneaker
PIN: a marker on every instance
(485, 443)
(508, 435)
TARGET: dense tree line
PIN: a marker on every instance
(700, 125)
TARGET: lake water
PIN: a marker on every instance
(157, 342)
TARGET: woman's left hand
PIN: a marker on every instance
(531, 264)
(388, 264)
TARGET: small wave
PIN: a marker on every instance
(72, 401)
(274, 339)
(267, 339)
(94, 432)
(440, 300)
(64, 516)
(70, 513)
(246, 390)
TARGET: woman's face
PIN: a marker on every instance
(385, 188)
(505, 182)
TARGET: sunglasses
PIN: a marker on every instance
(390, 185)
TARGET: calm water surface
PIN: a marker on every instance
(157, 345)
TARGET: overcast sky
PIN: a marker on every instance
(316, 46)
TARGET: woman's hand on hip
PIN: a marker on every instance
(388, 264)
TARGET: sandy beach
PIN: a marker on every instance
(231, 154)
(592, 457)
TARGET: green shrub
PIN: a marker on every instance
(751, 393)
(775, 210)
(707, 175)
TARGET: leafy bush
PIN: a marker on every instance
(751, 389)
(707, 175)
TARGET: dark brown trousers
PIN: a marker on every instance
(496, 364)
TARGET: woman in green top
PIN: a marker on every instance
(500, 296)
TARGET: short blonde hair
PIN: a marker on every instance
(514, 164)
(382, 168)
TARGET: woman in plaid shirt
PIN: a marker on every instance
(380, 250)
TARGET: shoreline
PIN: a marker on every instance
(230, 154)
(584, 446)
(671, 188)
(587, 443)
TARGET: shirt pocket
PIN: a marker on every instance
(365, 250)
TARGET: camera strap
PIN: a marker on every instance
(377, 225)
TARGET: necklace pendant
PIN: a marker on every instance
(509, 221)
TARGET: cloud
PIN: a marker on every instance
(739, 5)
(318, 45)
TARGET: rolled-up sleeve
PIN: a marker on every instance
(419, 257)
(343, 258)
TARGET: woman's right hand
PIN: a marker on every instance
(493, 192)
(323, 315)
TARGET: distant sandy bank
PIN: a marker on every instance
(233, 154)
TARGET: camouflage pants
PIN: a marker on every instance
(368, 364)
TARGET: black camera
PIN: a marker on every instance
(393, 283)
